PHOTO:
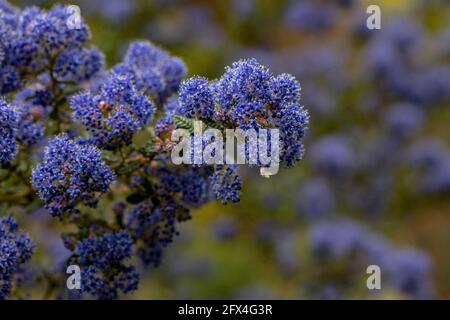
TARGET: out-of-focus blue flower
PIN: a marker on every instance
(409, 271)
(332, 155)
(432, 160)
(316, 199)
(404, 120)
(309, 16)
(225, 228)
(333, 241)
(71, 173)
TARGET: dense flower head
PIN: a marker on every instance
(98, 256)
(8, 126)
(152, 69)
(245, 81)
(55, 31)
(226, 184)
(71, 173)
(284, 89)
(196, 99)
(16, 248)
(114, 114)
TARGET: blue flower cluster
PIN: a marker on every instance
(8, 126)
(36, 42)
(226, 184)
(115, 113)
(71, 173)
(249, 96)
(16, 248)
(153, 70)
(103, 261)
(196, 99)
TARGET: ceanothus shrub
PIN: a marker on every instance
(82, 137)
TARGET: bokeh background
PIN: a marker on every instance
(374, 185)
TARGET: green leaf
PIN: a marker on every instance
(184, 123)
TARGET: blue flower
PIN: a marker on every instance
(52, 31)
(71, 173)
(8, 126)
(332, 155)
(16, 248)
(333, 241)
(409, 271)
(78, 65)
(114, 114)
(309, 16)
(316, 199)
(103, 261)
(154, 228)
(245, 81)
(284, 89)
(226, 184)
(196, 99)
(404, 120)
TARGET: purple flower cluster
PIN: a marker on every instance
(98, 256)
(115, 113)
(71, 173)
(16, 248)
